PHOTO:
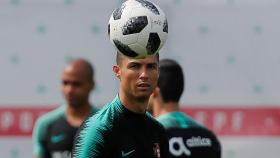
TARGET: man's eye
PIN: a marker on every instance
(134, 66)
(77, 84)
(152, 66)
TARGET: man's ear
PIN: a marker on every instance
(116, 70)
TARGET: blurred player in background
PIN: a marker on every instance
(123, 128)
(54, 132)
(187, 138)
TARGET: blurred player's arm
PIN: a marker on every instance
(39, 139)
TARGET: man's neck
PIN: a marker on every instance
(76, 115)
(134, 105)
(167, 108)
(79, 111)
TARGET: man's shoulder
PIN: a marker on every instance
(51, 116)
(94, 109)
(178, 120)
(92, 132)
(42, 124)
(154, 121)
(102, 118)
(150, 117)
(96, 127)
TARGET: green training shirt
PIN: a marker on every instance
(116, 132)
(53, 136)
(189, 139)
(177, 119)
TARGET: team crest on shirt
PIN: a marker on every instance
(156, 150)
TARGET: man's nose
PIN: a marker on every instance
(144, 73)
(69, 88)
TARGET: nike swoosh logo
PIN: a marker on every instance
(57, 138)
(125, 154)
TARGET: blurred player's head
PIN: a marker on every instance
(77, 82)
(171, 80)
(170, 85)
(138, 77)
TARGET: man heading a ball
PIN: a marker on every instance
(123, 128)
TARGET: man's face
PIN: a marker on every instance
(138, 77)
(76, 86)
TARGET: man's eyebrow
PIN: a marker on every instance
(134, 62)
(153, 63)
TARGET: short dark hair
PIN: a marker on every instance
(120, 56)
(171, 80)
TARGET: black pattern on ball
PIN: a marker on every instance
(153, 43)
(124, 49)
(149, 6)
(117, 14)
(165, 26)
(109, 30)
(135, 25)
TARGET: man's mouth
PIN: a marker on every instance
(144, 86)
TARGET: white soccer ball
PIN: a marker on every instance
(138, 28)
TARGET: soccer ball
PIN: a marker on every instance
(138, 28)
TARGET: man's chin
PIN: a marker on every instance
(73, 104)
(144, 96)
